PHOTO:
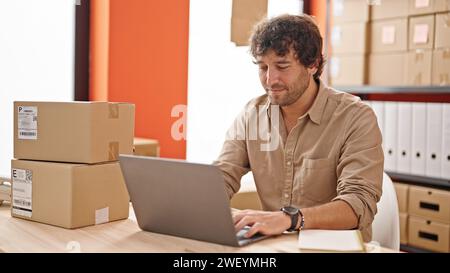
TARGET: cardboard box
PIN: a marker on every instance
(442, 37)
(421, 32)
(428, 235)
(79, 132)
(418, 7)
(389, 36)
(402, 196)
(350, 38)
(387, 69)
(5, 191)
(441, 67)
(348, 69)
(429, 203)
(350, 11)
(146, 147)
(246, 200)
(403, 228)
(68, 195)
(441, 5)
(389, 9)
(419, 67)
(247, 197)
(245, 14)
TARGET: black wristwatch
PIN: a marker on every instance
(293, 213)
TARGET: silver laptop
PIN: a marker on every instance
(183, 199)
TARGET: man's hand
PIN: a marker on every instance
(264, 222)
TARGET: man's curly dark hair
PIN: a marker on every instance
(283, 32)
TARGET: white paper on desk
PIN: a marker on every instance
(331, 240)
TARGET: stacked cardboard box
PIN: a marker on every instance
(5, 190)
(424, 217)
(66, 171)
(245, 14)
(441, 53)
(429, 218)
(409, 43)
(389, 43)
(349, 41)
(145, 147)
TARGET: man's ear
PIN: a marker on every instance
(312, 70)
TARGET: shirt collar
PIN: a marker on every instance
(316, 111)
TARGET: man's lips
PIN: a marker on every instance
(276, 90)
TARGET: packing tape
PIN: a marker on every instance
(113, 151)
(419, 56)
(446, 53)
(443, 79)
(113, 110)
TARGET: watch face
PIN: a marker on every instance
(290, 210)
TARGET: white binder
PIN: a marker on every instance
(419, 138)
(404, 138)
(445, 166)
(390, 131)
(434, 139)
(378, 108)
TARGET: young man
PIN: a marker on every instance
(322, 166)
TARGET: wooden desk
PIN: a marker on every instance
(17, 235)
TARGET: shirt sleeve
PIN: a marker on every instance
(233, 159)
(360, 166)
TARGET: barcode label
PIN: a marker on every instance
(28, 133)
(22, 202)
(27, 119)
(22, 186)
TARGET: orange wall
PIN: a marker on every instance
(99, 49)
(319, 10)
(147, 63)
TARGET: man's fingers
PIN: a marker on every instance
(257, 227)
(245, 221)
(238, 216)
(241, 214)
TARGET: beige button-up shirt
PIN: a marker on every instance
(333, 153)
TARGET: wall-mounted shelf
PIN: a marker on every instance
(400, 93)
(370, 89)
(420, 180)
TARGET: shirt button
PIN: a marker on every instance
(289, 163)
(286, 195)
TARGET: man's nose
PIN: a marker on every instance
(272, 77)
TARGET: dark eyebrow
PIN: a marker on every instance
(277, 62)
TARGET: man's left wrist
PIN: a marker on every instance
(301, 221)
(293, 214)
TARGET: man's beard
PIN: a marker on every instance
(289, 95)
